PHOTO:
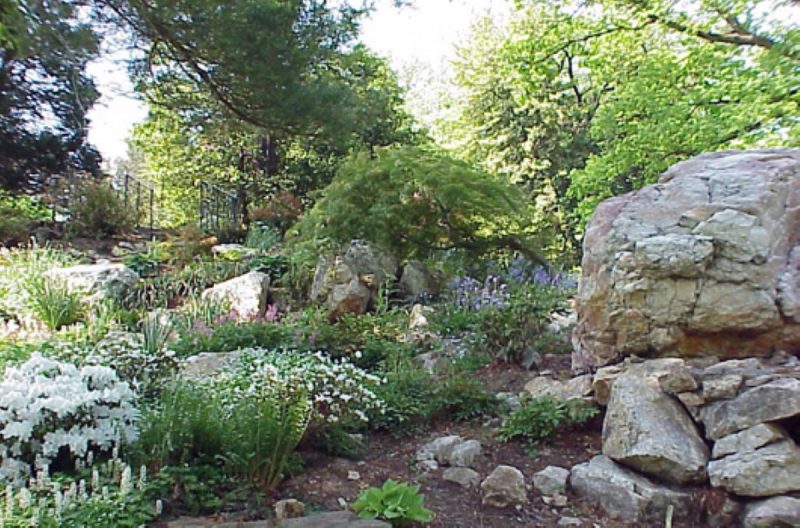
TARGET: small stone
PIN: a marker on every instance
(465, 453)
(353, 475)
(569, 521)
(426, 466)
(722, 387)
(775, 512)
(509, 399)
(505, 486)
(289, 509)
(551, 480)
(557, 500)
(530, 359)
(439, 449)
(342, 502)
(464, 477)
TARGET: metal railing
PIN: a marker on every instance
(139, 196)
(219, 208)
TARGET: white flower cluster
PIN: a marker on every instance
(337, 389)
(124, 352)
(47, 405)
(42, 500)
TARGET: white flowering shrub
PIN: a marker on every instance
(125, 352)
(336, 388)
(49, 406)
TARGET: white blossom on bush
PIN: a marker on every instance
(126, 354)
(336, 388)
(48, 405)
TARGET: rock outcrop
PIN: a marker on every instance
(349, 283)
(706, 261)
(95, 281)
(247, 295)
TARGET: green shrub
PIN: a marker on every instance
(262, 236)
(395, 502)
(19, 216)
(53, 303)
(520, 323)
(540, 418)
(232, 336)
(96, 210)
(412, 201)
(462, 398)
(273, 265)
(19, 268)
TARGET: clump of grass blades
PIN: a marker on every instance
(53, 303)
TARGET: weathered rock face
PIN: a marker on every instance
(705, 261)
(349, 283)
(416, 281)
(771, 470)
(247, 295)
(777, 512)
(648, 430)
(775, 400)
(623, 493)
(96, 281)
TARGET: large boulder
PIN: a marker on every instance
(349, 283)
(625, 494)
(648, 430)
(706, 261)
(247, 295)
(96, 281)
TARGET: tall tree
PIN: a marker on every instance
(579, 104)
(45, 92)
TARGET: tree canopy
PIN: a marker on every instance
(579, 104)
(46, 92)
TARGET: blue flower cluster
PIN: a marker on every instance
(472, 294)
(522, 271)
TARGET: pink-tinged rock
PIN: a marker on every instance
(705, 262)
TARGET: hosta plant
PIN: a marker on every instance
(399, 504)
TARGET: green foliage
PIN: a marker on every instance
(262, 236)
(176, 285)
(413, 398)
(582, 104)
(252, 432)
(19, 216)
(53, 303)
(412, 202)
(144, 264)
(18, 268)
(96, 211)
(231, 336)
(539, 419)
(462, 398)
(47, 92)
(520, 324)
(338, 442)
(273, 265)
(398, 503)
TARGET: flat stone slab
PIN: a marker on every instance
(776, 400)
(342, 519)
